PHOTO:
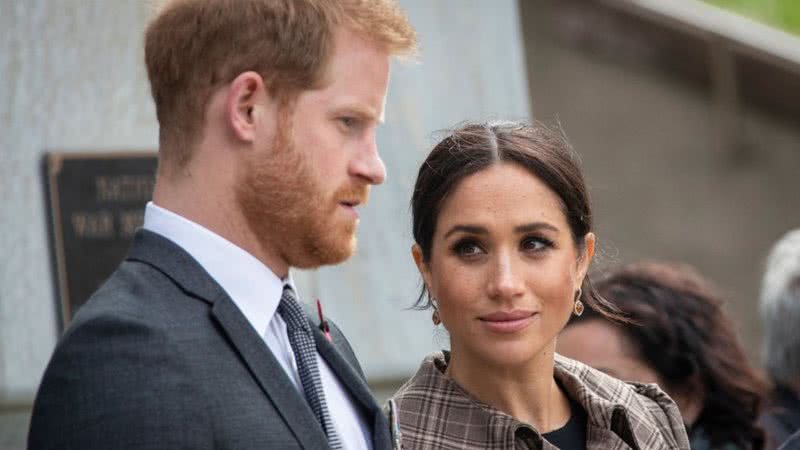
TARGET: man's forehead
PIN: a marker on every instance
(356, 79)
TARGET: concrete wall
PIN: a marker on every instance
(71, 79)
(662, 186)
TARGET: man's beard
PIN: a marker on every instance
(289, 214)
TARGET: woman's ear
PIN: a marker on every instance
(422, 266)
(585, 258)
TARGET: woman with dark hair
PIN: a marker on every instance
(680, 338)
(503, 239)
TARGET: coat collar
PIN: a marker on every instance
(617, 418)
(629, 414)
(609, 418)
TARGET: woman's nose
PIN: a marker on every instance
(505, 282)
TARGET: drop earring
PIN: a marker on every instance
(578, 307)
(435, 317)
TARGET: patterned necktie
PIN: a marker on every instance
(305, 355)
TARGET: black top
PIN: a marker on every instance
(571, 436)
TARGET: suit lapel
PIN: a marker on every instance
(356, 387)
(270, 376)
(174, 262)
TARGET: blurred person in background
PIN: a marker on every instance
(680, 338)
(503, 239)
(780, 313)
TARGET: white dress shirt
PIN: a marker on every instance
(256, 291)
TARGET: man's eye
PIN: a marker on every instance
(348, 122)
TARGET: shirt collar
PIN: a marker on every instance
(252, 286)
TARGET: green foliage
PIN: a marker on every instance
(783, 14)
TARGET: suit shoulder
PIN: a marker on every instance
(136, 319)
(136, 292)
(118, 371)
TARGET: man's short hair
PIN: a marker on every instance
(192, 47)
(780, 309)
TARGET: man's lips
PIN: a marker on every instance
(507, 321)
(350, 205)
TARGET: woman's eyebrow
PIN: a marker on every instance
(535, 226)
(477, 229)
(472, 229)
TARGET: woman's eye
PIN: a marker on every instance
(467, 248)
(536, 244)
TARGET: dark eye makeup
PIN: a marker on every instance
(469, 247)
(536, 243)
(466, 247)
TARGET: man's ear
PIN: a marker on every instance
(244, 104)
(422, 266)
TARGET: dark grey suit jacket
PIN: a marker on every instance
(161, 358)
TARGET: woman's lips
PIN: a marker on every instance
(507, 322)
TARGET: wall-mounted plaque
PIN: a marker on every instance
(96, 202)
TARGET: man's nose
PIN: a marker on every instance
(368, 164)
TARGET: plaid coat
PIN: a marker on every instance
(433, 412)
